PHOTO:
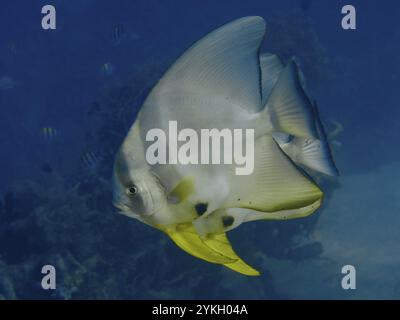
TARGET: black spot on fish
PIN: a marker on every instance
(227, 221)
(201, 208)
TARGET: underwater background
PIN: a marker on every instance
(68, 97)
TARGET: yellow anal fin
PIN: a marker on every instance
(275, 185)
(220, 243)
(213, 248)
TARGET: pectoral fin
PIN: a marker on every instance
(213, 248)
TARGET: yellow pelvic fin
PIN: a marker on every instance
(214, 248)
(185, 237)
(220, 242)
(183, 190)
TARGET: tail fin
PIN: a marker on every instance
(311, 153)
(288, 106)
(326, 147)
(316, 155)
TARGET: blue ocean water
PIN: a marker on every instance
(87, 79)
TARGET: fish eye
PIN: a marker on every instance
(132, 190)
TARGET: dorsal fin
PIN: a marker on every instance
(223, 65)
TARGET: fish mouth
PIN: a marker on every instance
(126, 210)
(120, 206)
